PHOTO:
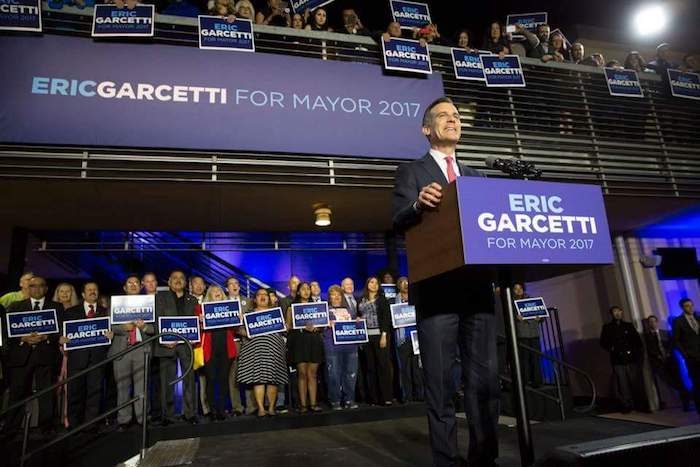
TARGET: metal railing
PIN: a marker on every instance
(26, 403)
(564, 120)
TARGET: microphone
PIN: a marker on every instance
(516, 168)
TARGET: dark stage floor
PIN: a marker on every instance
(386, 443)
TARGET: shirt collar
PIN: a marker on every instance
(86, 307)
(41, 302)
(440, 156)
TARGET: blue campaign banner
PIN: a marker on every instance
(532, 222)
(415, 343)
(402, 315)
(389, 290)
(315, 313)
(350, 332)
(299, 6)
(25, 323)
(623, 83)
(84, 333)
(529, 21)
(189, 100)
(223, 314)
(410, 14)
(112, 21)
(467, 65)
(20, 15)
(684, 84)
(217, 33)
(531, 308)
(502, 72)
(261, 323)
(406, 55)
(129, 308)
(186, 326)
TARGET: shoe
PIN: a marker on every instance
(237, 413)
(165, 421)
(352, 405)
(388, 403)
(193, 421)
(315, 408)
(262, 414)
(122, 427)
(281, 409)
(336, 406)
(220, 416)
(303, 409)
(211, 417)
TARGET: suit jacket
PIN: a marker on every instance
(166, 306)
(81, 358)
(120, 341)
(432, 295)
(685, 339)
(622, 341)
(46, 352)
(383, 313)
(652, 345)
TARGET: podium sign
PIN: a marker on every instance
(504, 222)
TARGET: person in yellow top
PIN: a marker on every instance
(18, 295)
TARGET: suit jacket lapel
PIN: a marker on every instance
(430, 166)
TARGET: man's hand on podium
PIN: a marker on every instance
(429, 196)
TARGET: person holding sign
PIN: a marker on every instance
(374, 307)
(496, 41)
(341, 359)
(263, 362)
(306, 352)
(411, 374)
(84, 392)
(128, 370)
(175, 302)
(528, 334)
(219, 351)
(454, 313)
(33, 359)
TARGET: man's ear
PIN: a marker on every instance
(426, 131)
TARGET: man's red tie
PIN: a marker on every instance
(451, 174)
(91, 311)
(132, 336)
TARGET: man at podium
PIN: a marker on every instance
(454, 313)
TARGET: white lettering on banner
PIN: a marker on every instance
(123, 20)
(531, 308)
(128, 310)
(405, 316)
(19, 9)
(308, 316)
(502, 71)
(464, 64)
(265, 322)
(350, 332)
(87, 334)
(685, 84)
(488, 222)
(623, 82)
(220, 314)
(180, 330)
(32, 323)
(407, 55)
(411, 15)
(226, 33)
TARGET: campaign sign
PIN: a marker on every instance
(25, 323)
(529, 21)
(20, 15)
(223, 314)
(684, 84)
(111, 21)
(299, 6)
(530, 222)
(467, 65)
(85, 333)
(403, 315)
(350, 332)
(216, 33)
(260, 323)
(130, 308)
(315, 313)
(531, 308)
(414, 341)
(410, 14)
(389, 291)
(406, 55)
(623, 83)
(502, 72)
(186, 326)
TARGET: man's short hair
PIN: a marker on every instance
(85, 284)
(613, 308)
(231, 278)
(683, 301)
(652, 317)
(428, 116)
(133, 275)
(181, 271)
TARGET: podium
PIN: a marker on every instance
(500, 229)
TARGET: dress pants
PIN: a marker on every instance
(217, 371)
(128, 370)
(530, 362)
(628, 384)
(168, 373)
(694, 373)
(378, 370)
(411, 373)
(20, 384)
(84, 393)
(234, 389)
(474, 334)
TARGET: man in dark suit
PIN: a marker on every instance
(84, 392)
(33, 358)
(453, 311)
(658, 347)
(686, 338)
(175, 302)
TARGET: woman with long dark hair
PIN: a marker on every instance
(496, 40)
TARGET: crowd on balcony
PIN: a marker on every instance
(543, 44)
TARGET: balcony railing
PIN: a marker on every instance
(564, 120)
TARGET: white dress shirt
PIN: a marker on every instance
(86, 307)
(41, 303)
(442, 163)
